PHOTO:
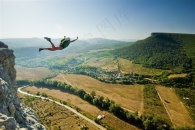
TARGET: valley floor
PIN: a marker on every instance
(129, 96)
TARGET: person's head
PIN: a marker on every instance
(64, 37)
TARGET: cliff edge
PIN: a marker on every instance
(13, 116)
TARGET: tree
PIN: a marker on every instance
(72, 89)
(81, 93)
(101, 101)
(54, 83)
(107, 103)
(88, 98)
(44, 95)
(67, 87)
(148, 125)
(23, 82)
(130, 117)
(60, 85)
(95, 101)
(38, 93)
(93, 94)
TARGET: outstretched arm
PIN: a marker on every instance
(74, 40)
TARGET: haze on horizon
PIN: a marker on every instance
(111, 19)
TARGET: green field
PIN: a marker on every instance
(126, 66)
(152, 103)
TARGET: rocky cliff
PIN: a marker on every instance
(13, 116)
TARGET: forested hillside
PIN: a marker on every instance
(162, 51)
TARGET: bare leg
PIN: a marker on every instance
(54, 48)
(49, 40)
(51, 49)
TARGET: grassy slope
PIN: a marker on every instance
(187, 96)
(175, 108)
(53, 116)
(24, 73)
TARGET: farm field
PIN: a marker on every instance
(89, 110)
(175, 108)
(108, 64)
(31, 73)
(53, 116)
(126, 66)
(177, 75)
(153, 104)
(129, 96)
(99, 50)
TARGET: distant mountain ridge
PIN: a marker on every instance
(41, 42)
(27, 49)
(162, 51)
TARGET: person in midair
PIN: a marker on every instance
(63, 44)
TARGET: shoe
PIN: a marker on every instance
(48, 39)
(40, 49)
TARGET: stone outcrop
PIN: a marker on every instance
(13, 116)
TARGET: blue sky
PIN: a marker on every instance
(112, 19)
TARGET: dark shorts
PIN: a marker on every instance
(64, 43)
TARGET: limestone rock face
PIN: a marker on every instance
(2, 45)
(13, 116)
